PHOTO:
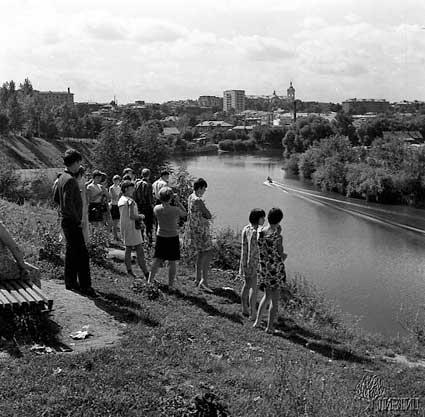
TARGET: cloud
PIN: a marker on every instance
(259, 48)
(107, 31)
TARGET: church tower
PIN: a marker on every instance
(290, 92)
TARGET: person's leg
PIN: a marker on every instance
(148, 220)
(207, 258)
(205, 262)
(263, 304)
(172, 269)
(244, 295)
(127, 259)
(141, 260)
(154, 269)
(83, 262)
(71, 257)
(273, 310)
(115, 229)
(253, 294)
(199, 262)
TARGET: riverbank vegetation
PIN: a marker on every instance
(184, 352)
(385, 171)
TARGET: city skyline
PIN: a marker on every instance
(332, 51)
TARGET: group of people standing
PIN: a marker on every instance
(133, 208)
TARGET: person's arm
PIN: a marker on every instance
(10, 243)
(244, 253)
(179, 205)
(206, 214)
(280, 248)
(131, 212)
(71, 192)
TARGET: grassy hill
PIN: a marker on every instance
(23, 153)
(185, 351)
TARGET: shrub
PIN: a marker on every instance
(52, 246)
(291, 164)
(98, 246)
(226, 145)
(228, 249)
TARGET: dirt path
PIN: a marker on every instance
(72, 311)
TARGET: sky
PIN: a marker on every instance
(159, 50)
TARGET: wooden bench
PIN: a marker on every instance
(22, 294)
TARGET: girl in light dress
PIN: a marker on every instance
(249, 263)
(130, 226)
(272, 274)
(198, 234)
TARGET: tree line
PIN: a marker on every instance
(22, 112)
(359, 162)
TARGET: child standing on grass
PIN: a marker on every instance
(167, 244)
(272, 274)
(249, 263)
(130, 225)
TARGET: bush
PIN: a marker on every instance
(291, 164)
(307, 163)
(228, 249)
(51, 240)
(226, 145)
(98, 246)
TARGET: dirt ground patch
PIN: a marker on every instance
(72, 311)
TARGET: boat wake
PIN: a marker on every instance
(345, 206)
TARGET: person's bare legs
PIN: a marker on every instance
(206, 259)
(154, 269)
(127, 260)
(141, 260)
(273, 310)
(263, 304)
(172, 269)
(253, 294)
(115, 229)
(245, 295)
(199, 261)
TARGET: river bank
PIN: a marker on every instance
(183, 344)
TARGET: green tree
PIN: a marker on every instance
(4, 123)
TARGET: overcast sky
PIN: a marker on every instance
(160, 50)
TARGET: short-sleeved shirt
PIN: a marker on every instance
(157, 185)
(115, 193)
(168, 218)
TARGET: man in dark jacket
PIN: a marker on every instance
(68, 196)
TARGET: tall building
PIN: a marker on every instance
(363, 106)
(234, 99)
(55, 98)
(209, 101)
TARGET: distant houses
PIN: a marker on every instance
(213, 124)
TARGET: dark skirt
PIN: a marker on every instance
(167, 248)
(96, 211)
(115, 212)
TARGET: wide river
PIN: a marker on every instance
(357, 253)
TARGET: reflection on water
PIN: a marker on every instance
(369, 268)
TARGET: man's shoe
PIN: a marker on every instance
(74, 287)
(89, 292)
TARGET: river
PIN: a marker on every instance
(366, 257)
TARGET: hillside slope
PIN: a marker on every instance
(23, 153)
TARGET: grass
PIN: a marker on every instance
(184, 351)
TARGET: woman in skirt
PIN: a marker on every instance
(167, 245)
